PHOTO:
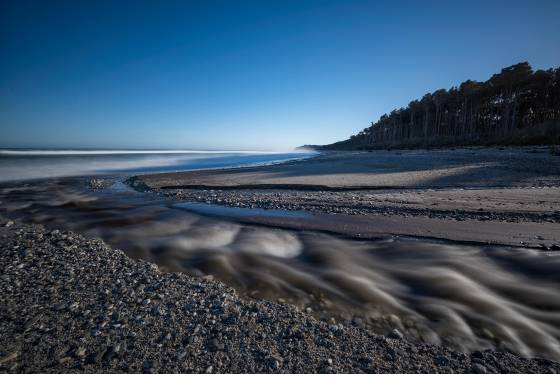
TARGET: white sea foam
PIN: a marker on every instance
(18, 165)
(65, 152)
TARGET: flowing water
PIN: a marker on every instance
(466, 297)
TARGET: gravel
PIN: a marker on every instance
(365, 202)
(513, 184)
(99, 184)
(68, 303)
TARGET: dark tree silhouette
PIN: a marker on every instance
(515, 106)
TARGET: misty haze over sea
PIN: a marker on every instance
(18, 165)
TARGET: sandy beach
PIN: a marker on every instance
(486, 195)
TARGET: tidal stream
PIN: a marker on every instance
(466, 297)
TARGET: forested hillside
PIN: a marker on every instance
(516, 106)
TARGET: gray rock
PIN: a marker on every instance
(479, 369)
(477, 354)
(181, 354)
(109, 354)
(80, 352)
(442, 360)
(99, 184)
(215, 345)
(275, 365)
(395, 334)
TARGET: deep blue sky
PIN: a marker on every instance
(244, 75)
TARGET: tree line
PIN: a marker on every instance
(516, 106)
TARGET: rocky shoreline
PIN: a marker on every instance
(514, 185)
(489, 195)
(74, 304)
(364, 202)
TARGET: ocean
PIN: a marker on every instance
(32, 164)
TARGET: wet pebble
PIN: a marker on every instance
(396, 334)
(215, 345)
(442, 360)
(478, 369)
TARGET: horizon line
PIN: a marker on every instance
(53, 152)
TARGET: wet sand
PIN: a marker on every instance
(505, 196)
